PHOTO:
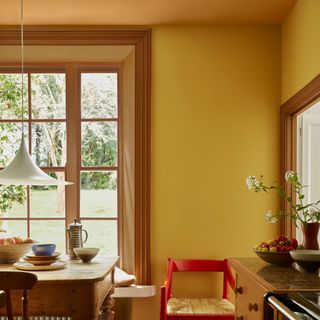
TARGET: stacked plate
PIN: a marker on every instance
(42, 260)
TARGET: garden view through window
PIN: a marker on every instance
(90, 129)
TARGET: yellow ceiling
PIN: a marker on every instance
(145, 12)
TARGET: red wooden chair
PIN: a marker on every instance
(197, 308)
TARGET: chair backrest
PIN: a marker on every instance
(17, 280)
(199, 266)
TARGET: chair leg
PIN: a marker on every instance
(25, 313)
(9, 305)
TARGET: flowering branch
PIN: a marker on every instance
(305, 213)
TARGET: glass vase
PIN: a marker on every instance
(310, 235)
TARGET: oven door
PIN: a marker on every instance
(282, 307)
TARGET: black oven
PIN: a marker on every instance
(292, 306)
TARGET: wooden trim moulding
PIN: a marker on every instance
(73, 35)
(288, 131)
(140, 38)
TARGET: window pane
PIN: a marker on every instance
(99, 98)
(103, 234)
(99, 143)
(98, 194)
(48, 201)
(48, 96)
(10, 205)
(49, 231)
(10, 96)
(49, 144)
(16, 228)
(10, 138)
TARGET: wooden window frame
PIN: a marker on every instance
(301, 101)
(73, 167)
(29, 120)
(140, 39)
(77, 70)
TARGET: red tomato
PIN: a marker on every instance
(281, 238)
(294, 243)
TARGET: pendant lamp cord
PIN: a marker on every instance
(22, 64)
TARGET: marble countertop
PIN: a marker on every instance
(278, 278)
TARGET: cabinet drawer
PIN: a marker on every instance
(249, 297)
(241, 314)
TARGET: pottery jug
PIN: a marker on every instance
(75, 240)
(310, 235)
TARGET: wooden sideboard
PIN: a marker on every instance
(254, 278)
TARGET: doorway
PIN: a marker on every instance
(308, 155)
(300, 131)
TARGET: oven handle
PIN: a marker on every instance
(283, 309)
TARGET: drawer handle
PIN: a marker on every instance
(253, 306)
(240, 318)
(238, 290)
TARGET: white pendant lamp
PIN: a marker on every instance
(22, 170)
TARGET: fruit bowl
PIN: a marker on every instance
(278, 258)
(10, 253)
(308, 260)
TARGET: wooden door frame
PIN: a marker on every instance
(301, 101)
(140, 38)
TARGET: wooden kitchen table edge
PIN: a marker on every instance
(75, 271)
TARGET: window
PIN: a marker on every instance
(44, 124)
(135, 167)
(98, 168)
(48, 131)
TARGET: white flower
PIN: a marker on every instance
(290, 176)
(274, 220)
(252, 182)
(270, 217)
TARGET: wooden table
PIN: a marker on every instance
(79, 291)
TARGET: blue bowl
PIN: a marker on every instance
(43, 249)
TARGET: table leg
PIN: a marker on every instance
(106, 308)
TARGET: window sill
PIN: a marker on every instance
(134, 291)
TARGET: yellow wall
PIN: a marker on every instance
(215, 119)
(300, 47)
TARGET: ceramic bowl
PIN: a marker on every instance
(278, 258)
(86, 254)
(308, 260)
(10, 253)
(43, 249)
